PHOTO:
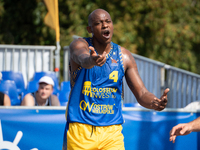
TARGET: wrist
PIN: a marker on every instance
(191, 126)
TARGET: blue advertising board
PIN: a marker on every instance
(42, 129)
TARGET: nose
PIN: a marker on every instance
(104, 25)
(42, 90)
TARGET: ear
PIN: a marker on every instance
(89, 29)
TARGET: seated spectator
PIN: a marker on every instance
(43, 96)
(4, 100)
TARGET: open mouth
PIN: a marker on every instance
(106, 33)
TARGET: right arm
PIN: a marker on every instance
(84, 56)
(184, 129)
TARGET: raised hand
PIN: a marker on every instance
(160, 104)
(96, 59)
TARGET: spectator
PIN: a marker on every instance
(43, 96)
(4, 98)
(184, 129)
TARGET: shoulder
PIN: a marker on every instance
(29, 95)
(54, 97)
(6, 96)
(125, 52)
(28, 100)
(54, 100)
(127, 57)
(7, 101)
(78, 43)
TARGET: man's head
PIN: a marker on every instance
(100, 25)
(45, 87)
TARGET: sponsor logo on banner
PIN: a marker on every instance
(11, 145)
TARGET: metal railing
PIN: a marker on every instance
(66, 63)
(152, 74)
(27, 59)
(184, 85)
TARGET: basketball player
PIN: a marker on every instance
(97, 67)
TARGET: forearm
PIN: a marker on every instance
(84, 60)
(195, 125)
(146, 99)
(80, 54)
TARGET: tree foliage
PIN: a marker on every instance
(167, 31)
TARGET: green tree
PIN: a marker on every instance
(22, 23)
(167, 31)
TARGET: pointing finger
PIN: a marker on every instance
(166, 91)
(91, 48)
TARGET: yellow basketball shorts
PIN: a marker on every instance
(87, 137)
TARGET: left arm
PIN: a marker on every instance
(143, 96)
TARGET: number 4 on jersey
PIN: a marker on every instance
(114, 76)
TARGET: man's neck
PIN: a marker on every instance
(101, 47)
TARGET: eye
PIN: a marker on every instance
(96, 23)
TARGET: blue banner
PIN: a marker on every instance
(150, 130)
(43, 129)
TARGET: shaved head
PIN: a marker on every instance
(94, 14)
(100, 25)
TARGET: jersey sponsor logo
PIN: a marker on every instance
(98, 92)
(96, 108)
